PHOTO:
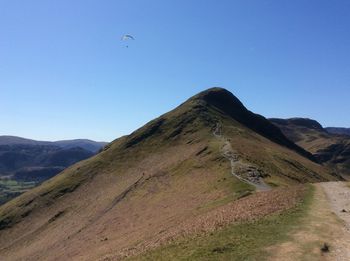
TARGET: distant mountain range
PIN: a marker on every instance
(329, 146)
(89, 145)
(25, 160)
(341, 131)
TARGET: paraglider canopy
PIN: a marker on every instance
(127, 37)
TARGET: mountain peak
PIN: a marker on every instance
(213, 91)
(220, 98)
(224, 101)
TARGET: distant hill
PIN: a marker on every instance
(18, 156)
(25, 160)
(90, 145)
(329, 146)
(341, 131)
(161, 182)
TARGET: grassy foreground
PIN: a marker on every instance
(246, 241)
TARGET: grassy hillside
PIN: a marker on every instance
(247, 240)
(145, 187)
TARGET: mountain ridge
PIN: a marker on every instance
(90, 145)
(338, 130)
(230, 104)
(143, 186)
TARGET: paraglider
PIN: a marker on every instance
(127, 37)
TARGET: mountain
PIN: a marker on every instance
(86, 144)
(326, 144)
(13, 140)
(195, 168)
(90, 145)
(24, 163)
(15, 157)
(341, 131)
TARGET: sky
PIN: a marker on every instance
(65, 73)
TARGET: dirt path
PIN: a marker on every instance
(338, 194)
(324, 223)
(252, 174)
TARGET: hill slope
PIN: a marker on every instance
(150, 185)
(327, 147)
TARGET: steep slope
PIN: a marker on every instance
(151, 184)
(230, 105)
(328, 148)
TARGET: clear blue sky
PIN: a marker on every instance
(64, 72)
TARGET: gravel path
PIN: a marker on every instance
(338, 194)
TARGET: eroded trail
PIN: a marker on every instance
(252, 175)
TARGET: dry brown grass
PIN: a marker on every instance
(253, 207)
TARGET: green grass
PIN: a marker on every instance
(246, 241)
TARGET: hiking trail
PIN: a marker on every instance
(252, 175)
